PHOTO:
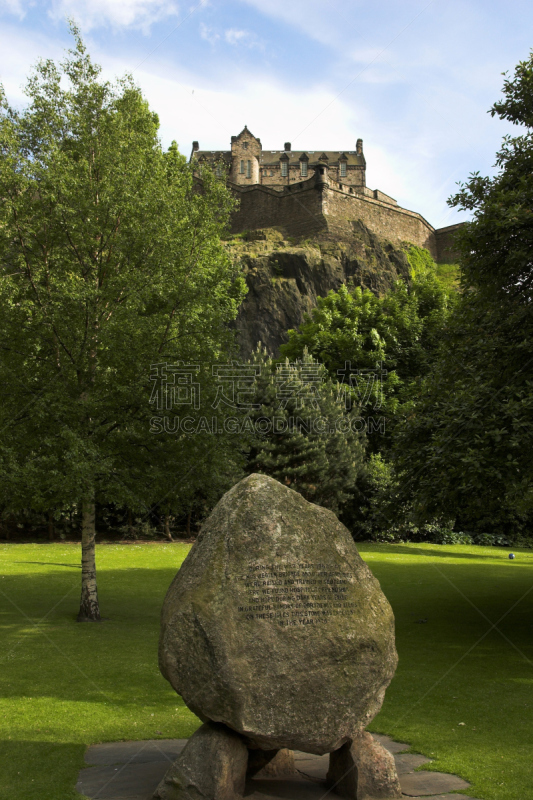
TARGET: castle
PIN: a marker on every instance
(307, 193)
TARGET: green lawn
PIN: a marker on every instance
(67, 685)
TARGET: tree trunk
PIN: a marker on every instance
(167, 528)
(189, 524)
(51, 532)
(130, 524)
(89, 608)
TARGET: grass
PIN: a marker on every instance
(67, 685)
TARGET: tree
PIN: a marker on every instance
(306, 437)
(466, 450)
(381, 346)
(110, 262)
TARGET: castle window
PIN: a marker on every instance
(284, 169)
(303, 169)
(218, 171)
(241, 170)
(343, 169)
(271, 172)
(245, 145)
(248, 169)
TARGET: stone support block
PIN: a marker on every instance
(271, 763)
(363, 770)
(212, 766)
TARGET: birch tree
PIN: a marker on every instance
(110, 262)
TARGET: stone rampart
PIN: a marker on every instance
(298, 209)
(309, 208)
(447, 251)
(384, 219)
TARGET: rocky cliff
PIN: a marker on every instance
(285, 277)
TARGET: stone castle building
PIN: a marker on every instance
(307, 192)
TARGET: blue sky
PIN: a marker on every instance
(414, 79)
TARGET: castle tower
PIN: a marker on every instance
(245, 156)
(321, 172)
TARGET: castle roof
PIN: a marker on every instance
(271, 157)
(214, 155)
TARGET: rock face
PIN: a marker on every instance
(275, 627)
(284, 279)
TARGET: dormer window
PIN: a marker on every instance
(303, 169)
(343, 169)
(284, 168)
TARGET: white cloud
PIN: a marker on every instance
(15, 7)
(415, 151)
(20, 51)
(234, 36)
(89, 14)
(208, 34)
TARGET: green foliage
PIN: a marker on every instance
(312, 443)
(497, 243)
(111, 261)
(390, 341)
(449, 276)
(438, 535)
(466, 450)
(421, 263)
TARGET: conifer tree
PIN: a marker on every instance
(314, 439)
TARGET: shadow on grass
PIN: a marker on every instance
(414, 550)
(33, 770)
(47, 564)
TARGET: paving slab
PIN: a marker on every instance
(131, 781)
(408, 762)
(291, 789)
(132, 771)
(313, 768)
(138, 752)
(422, 784)
(390, 745)
(448, 797)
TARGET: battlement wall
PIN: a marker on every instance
(298, 209)
(383, 218)
(309, 208)
(447, 251)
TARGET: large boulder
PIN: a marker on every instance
(275, 626)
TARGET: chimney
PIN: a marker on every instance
(195, 146)
(359, 147)
(287, 147)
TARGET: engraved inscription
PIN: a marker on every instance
(296, 594)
